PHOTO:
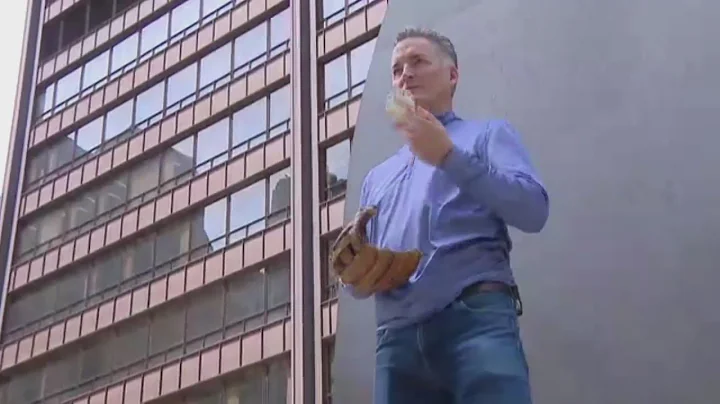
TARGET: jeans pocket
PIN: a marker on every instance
(487, 302)
(491, 313)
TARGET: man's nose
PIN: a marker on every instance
(407, 74)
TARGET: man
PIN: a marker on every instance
(447, 333)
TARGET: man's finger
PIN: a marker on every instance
(425, 115)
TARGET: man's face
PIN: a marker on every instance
(420, 67)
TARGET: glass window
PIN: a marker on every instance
(335, 77)
(184, 15)
(82, 210)
(45, 99)
(69, 290)
(247, 205)
(68, 86)
(112, 195)
(278, 379)
(141, 256)
(96, 69)
(166, 330)
(154, 34)
(211, 142)
(360, 59)
(209, 223)
(280, 188)
(182, 84)
(245, 297)
(95, 361)
(122, 5)
(124, 52)
(278, 279)
(107, 273)
(280, 106)
(215, 65)
(89, 136)
(131, 345)
(149, 102)
(37, 304)
(51, 225)
(61, 152)
(250, 45)
(45, 302)
(171, 243)
(337, 159)
(18, 312)
(177, 160)
(119, 120)
(204, 314)
(211, 5)
(99, 13)
(331, 7)
(28, 237)
(280, 28)
(61, 374)
(250, 122)
(37, 167)
(249, 390)
(144, 177)
(25, 388)
(356, 5)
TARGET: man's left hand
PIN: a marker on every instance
(425, 135)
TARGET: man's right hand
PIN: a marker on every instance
(365, 267)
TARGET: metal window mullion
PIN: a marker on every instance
(267, 197)
(266, 294)
(88, 6)
(348, 74)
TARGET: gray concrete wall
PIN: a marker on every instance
(618, 103)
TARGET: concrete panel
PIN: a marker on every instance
(618, 104)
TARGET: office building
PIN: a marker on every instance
(175, 171)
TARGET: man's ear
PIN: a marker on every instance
(454, 75)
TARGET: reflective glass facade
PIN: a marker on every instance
(150, 247)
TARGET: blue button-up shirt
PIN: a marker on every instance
(457, 214)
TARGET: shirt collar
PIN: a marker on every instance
(446, 117)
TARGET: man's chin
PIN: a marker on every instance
(415, 94)
(421, 101)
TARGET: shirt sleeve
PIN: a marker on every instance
(364, 200)
(498, 173)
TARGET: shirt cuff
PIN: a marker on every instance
(462, 166)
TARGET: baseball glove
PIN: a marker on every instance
(367, 268)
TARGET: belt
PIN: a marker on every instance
(492, 286)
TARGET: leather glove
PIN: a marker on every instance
(367, 268)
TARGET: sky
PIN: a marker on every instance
(12, 19)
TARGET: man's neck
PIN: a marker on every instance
(439, 110)
(442, 112)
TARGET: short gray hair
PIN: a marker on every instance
(441, 41)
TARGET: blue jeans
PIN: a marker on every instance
(469, 353)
